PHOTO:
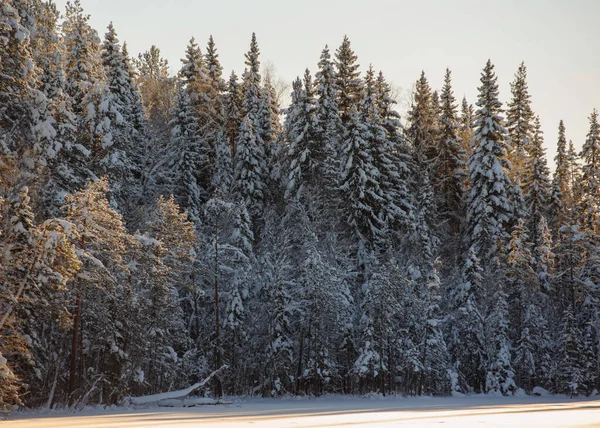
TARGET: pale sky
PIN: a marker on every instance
(559, 40)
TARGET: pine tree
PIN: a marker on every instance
(26, 129)
(488, 208)
(158, 90)
(519, 121)
(101, 246)
(348, 80)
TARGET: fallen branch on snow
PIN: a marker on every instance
(146, 399)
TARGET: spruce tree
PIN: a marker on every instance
(488, 207)
(420, 131)
(536, 182)
(253, 100)
(466, 126)
(397, 150)
(449, 167)
(233, 110)
(360, 182)
(466, 341)
(590, 178)
(305, 153)
(348, 80)
(213, 65)
(328, 116)
(187, 142)
(561, 186)
(519, 121)
(249, 167)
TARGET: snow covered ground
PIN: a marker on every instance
(336, 411)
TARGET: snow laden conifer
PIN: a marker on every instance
(97, 115)
(500, 373)
(536, 181)
(489, 206)
(434, 354)
(213, 65)
(466, 125)
(394, 208)
(305, 151)
(205, 98)
(398, 151)
(271, 130)
(449, 167)
(328, 116)
(348, 80)
(101, 246)
(233, 99)
(571, 374)
(561, 186)
(360, 182)
(519, 121)
(26, 126)
(249, 167)
(192, 69)
(420, 130)
(466, 341)
(187, 142)
(222, 179)
(590, 173)
(253, 100)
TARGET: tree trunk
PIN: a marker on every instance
(75, 341)
(218, 386)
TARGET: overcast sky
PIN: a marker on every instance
(559, 40)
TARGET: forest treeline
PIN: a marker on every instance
(156, 227)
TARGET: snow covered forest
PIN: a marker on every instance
(156, 227)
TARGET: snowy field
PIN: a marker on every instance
(335, 411)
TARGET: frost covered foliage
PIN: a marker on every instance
(155, 228)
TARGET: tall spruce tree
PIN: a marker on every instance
(519, 121)
(590, 178)
(348, 79)
(561, 186)
(489, 206)
(449, 167)
(328, 115)
(537, 188)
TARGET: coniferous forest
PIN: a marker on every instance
(156, 228)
